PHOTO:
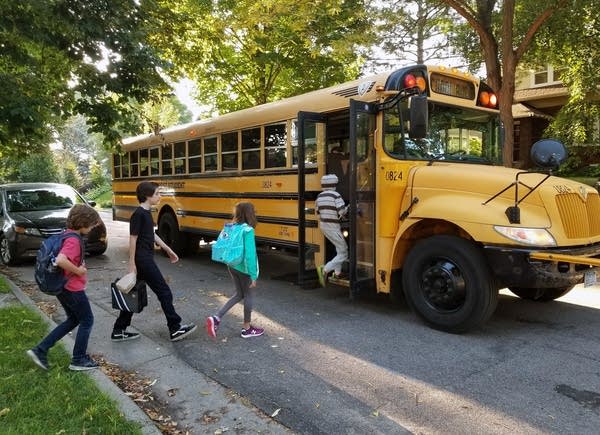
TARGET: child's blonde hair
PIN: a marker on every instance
(244, 213)
(82, 216)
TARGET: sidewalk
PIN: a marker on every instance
(196, 403)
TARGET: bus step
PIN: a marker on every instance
(344, 282)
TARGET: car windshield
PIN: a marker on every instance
(455, 134)
(43, 198)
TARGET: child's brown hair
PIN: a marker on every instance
(82, 216)
(244, 213)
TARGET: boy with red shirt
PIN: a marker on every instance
(82, 218)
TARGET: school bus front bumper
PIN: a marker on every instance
(552, 268)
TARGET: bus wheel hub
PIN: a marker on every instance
(444, 286)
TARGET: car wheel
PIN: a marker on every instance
(541, 294)
(447, 282)
(7, 253)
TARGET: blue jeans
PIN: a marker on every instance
(148, 271)
(79, 312)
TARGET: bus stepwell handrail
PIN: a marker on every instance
(565, 258)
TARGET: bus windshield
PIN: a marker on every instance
(455, 134)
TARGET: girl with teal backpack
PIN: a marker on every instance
(236, 247)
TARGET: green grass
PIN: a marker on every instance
(104, 200)
(4, 288)
(57, 401)
(585, 180)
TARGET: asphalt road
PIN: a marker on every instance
(329, 365)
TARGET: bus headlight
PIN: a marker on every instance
(528, 236)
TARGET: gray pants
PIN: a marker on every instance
(333, 232)
(242, 291)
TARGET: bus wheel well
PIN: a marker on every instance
(168, 230)
(421, 230)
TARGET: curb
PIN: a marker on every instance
(129, 409)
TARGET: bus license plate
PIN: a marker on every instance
(589, 278)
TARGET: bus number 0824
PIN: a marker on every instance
(393, 175)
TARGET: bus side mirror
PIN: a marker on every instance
(419, 117)
(548, 153)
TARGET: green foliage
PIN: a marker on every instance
(56, 401)
(70, 176)
(570, 40)
(250, 52)
(38, 168)
(47, 67)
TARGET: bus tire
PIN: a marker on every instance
(541, 294)
(168, 231)
(447, 283)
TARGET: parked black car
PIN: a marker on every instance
(30, 212)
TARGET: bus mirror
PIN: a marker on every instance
(548, 153)
(419, 117)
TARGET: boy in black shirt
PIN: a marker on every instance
(141, 260)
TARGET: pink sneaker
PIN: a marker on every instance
(252, 332)
(212, 324)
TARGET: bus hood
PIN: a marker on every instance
(478, 194)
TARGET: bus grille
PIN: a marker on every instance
(579, 218)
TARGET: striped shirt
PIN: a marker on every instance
(330, 206)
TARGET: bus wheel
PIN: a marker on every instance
(447, 283)
(541, 294)
(168, 231)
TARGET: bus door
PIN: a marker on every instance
(362, 196)
(311, 242)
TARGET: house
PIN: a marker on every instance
(539, 95)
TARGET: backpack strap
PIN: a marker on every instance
(66, 235)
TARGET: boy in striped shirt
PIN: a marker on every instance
(330, 208)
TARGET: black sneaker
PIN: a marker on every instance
(182, 332)
(123, 335)
(86, 363)
(39, 358)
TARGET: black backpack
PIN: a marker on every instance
(49, 277)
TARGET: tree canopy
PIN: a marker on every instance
(247, 52)
(65, 57)
(504, 34)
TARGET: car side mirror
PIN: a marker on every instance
(419, 117)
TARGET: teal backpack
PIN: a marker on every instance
(229, 247)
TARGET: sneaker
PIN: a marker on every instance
(123, 335)
(212, 324)
(322, 276)
(86, 363)
(252, 332)
(39, 358)
(182, 332)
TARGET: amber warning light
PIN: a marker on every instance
(488, 99)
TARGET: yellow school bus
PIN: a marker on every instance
(433, 216)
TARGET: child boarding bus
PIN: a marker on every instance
(433, 215)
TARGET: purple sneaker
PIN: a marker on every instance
(252, 332)
(212, 324)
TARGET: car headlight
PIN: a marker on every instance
(27, 231)
(528, 236)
